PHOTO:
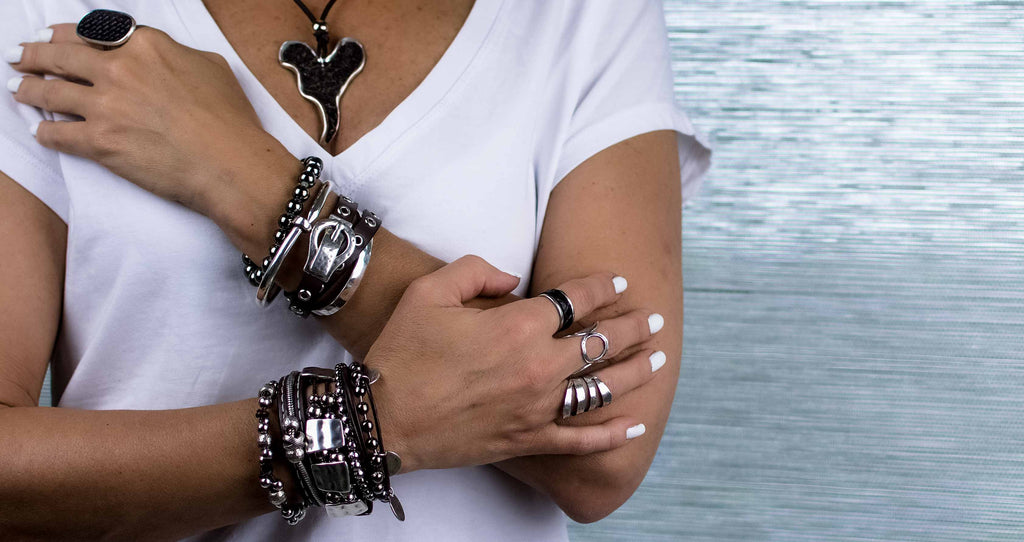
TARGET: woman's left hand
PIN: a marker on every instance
(169, 118)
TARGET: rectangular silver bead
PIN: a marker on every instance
(349, 509)
(324, 434)
(332, 477)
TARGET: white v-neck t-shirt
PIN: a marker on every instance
(157, 314)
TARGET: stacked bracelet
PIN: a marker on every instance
(340, 246)
(332, 441)
(310, 173)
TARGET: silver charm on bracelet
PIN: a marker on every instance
(350, 285)
(330, 246)
(268, 289)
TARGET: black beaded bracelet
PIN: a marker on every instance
(292, 513)
(312, 166)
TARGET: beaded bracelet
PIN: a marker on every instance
(267, 289)
(332, 441)
(312, 166)
(275, 488)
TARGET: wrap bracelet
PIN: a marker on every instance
(340, 246)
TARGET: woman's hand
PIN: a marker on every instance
(462, 386)
(167, 117)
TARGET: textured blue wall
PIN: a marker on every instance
(854, 272)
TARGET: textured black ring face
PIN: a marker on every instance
(106, 27)
(564, 304)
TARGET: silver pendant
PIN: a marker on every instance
(396, 506)
(322, 80)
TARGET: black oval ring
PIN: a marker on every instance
(106, 28)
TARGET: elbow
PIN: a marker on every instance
(596, 494)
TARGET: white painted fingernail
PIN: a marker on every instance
(635, 431)
(13, 83)
(657, 360)
(44, 35)
(33, 129)
(13, 55)
(620, 284)
(656, 322)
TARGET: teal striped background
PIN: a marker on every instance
(854, 271)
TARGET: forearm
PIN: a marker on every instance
(127, 474)
(249, 219)
(395, 264)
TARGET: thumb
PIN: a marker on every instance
(469, 277)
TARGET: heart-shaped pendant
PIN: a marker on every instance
(322, 80)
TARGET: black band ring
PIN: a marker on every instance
(106, 28)
(564, 306)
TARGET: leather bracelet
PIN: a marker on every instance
(338, 292)
(338, 247)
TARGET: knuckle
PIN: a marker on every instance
(419, 288)
(105, 141)
(534, 379)
(641, 328)
(49, 95)
(520, 329)
(113, 68)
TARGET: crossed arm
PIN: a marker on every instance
(635, 182)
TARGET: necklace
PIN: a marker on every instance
(322, 78)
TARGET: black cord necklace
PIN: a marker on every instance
(322, 78)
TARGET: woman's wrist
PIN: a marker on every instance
(249, 194)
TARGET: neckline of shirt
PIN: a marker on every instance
(349, 164)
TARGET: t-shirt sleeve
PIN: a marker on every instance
(21, 158)
(625, 88)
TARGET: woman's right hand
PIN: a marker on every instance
(462, 386)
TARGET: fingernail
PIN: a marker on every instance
(13, 55)
(657, 360)
(44, 35)
(620, 284)
(635, 431)
(33, 129)
(656, 322)
(13, 83)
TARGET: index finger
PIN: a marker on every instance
(586, 294)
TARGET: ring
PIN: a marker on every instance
(588, 360)
(584, 394)
(106, 28)
(563, 305)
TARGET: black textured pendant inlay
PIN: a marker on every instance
(322, 80)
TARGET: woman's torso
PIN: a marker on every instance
(157, 314)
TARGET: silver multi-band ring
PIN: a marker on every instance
(583, 394)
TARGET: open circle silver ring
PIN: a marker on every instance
(106, 28)
(563, 305)
(585, 336)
